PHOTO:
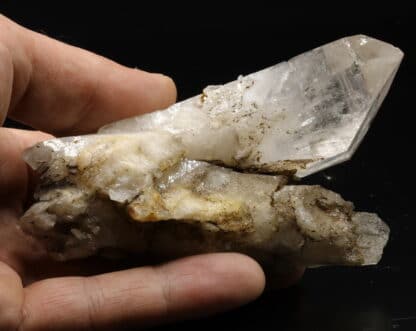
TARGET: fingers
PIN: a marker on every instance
(15, 247)
(185, 288)
(11, 298)
(6, 83)
(13, 170)
(66, 90)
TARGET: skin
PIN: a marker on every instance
(64, 90)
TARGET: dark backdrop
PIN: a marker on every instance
(207, 43)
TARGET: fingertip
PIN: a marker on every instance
(164, 91)
(169, 85)
(248, 279)
(212, 283)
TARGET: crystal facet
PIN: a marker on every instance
(302, 115)
(155, 184)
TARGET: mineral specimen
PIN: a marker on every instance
(212, 173)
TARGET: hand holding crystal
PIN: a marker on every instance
(63, 90)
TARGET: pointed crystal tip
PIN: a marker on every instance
(367, 67)
(299, 116)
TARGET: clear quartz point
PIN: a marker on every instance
(302, 116)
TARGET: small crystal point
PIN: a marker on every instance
(301, 116)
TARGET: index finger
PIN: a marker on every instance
(63, 89)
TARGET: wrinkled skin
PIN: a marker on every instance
(39, 78)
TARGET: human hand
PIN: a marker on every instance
(64, 90)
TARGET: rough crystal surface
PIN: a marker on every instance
(155, 184)
(137, 192)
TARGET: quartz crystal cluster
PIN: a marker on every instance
(213, 173)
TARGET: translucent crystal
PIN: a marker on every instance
(302, 115)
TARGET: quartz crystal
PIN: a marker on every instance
(302, 115)
(212, 173)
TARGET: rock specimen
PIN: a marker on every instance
(212, 173)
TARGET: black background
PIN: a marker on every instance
(208, 43)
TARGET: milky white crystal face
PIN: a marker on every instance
(302, 115)
(136, 192)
